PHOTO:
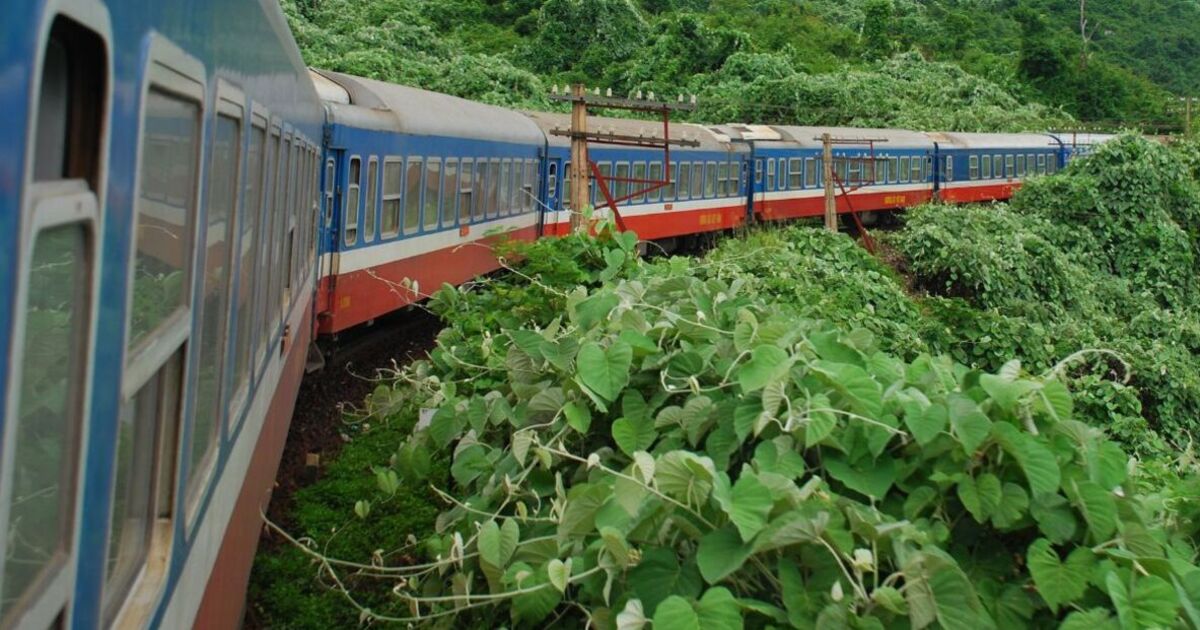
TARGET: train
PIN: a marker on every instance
(187, 210)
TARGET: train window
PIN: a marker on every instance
(1009, 165)
(479, 190)
(566, 186)
(514, 191)
(998, 166)
(654, 173)
(413, 178)
(165, 210)
(893, 170)
(855, 175)
(722, 179)
(49, 409)
(905, 163)
(466, 190)
(1041, 164)
(973, 163)
(393, 176)
(279, 212)
(1020, 165)
(697, 180)
(810, 172)
(881, 171)
(353, 186)
(758, 171)
(735, 178)
(369, 207)
(639, 173)
(433, 192)
(552, 180)
(266, 235)
(330, 185)
(1031, 163)
(620, 183)
(949, 169)
(450, 198)
(493, 188)
(253, 195)
(529, 190)
(142, 492)
(920, 170)
(685, 179)
(503, 188)
(1051, 164)
(771, 174)
(217, 236)
(795, 173)
(670, 176)
(987, 167)
(843, 169)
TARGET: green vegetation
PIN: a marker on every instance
(969, 65)
(787, 432)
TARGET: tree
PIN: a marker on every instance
(877, 29)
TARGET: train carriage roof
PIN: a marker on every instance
(1070, 139)
(372, 104)
(809, 137)
(650, 129)
(954, 140)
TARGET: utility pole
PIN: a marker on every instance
(830, 202)
(579, 156)
(1083, 33)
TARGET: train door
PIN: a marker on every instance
(331, 176)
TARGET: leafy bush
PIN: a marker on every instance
(677, 445)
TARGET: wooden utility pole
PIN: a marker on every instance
(1083, 33)
(579, 156)
(830, 201)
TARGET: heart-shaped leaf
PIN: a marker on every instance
(1059, 582)
(605, 372)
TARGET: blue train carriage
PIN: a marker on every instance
(158, 199)
(1078, 144)
(979, 167)
(706, 192)
(425, 184)
(876, 169)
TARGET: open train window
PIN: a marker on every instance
(479, 190)
(529, 189)
(393, 178)
(146, 449)
(54, 319)
(369, 208)
(353, 188)
(552, 180)
(466, 190)
(218, 235)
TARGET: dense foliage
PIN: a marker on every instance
(948, 64)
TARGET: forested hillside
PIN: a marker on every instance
(952, 64)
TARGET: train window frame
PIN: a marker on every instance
(771, 174)
(997, 166)
(949, 174)
(638, 172)
(735, 178)
(412, 206)
(986, 162)
(810, 172)
(973, 167)
(654, 173)
(683, 182)
(330, 190)
(1021, 165)
(259, 121)
(697, 180)
(564, 202)
(796, 173)
(370, 201)
(905, 169)
(350, 229)
(167, 69)
(433, 167)
(1041, 163)
(397, 196)
(48, 206)
(551, 180)
(1010, 166)
(530, 187)
(722, 188)
(466, 191)
(1031, 164)
(230, 102)
(449, 214)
